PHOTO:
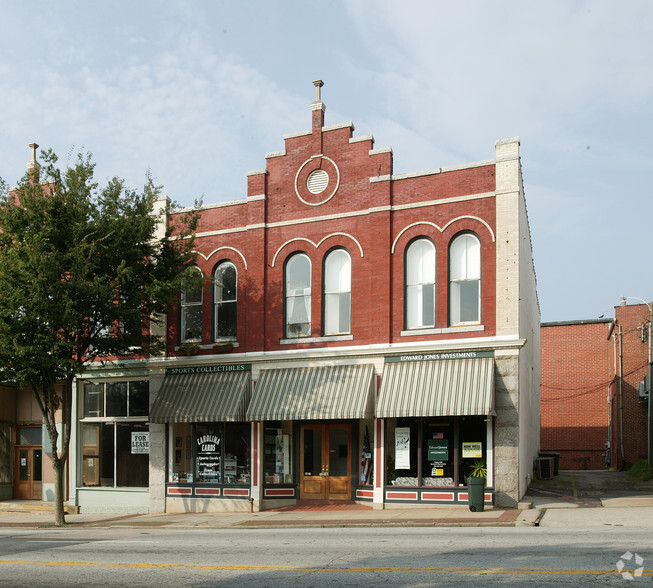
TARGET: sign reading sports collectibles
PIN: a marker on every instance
(209, 369)
(437, 356)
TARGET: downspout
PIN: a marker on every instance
(621, 400)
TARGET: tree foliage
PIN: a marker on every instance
(84, 273)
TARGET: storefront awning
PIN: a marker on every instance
(334, 392)
(455, 387)
(202, 397)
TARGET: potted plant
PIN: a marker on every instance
(476, 486)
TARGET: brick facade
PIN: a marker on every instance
(575, 391)
(591, 412)
(360, 206)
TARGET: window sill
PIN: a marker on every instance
(210, 345)
(316, 339)
(459, 329)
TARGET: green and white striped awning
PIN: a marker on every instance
(202, 397)
(320, 393)
(456, 387)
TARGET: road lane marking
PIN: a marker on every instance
(353, 569)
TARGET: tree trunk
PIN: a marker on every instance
(59, 466)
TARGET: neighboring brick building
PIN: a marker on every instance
(366, 337)
(630, 338)
(592, 412)
(577, 371)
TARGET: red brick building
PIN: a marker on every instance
(593, 412)
(361, 335)
(577, 373)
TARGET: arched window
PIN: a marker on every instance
(420, 284)
(298, 296)
(191, 306)
(465, 280)
(225, 298)
(337, 293)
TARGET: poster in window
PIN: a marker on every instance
(208, 458)
(438, 450)
(402, 448)
(140, 442)
(472, 449)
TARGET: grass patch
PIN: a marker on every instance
(640, 471)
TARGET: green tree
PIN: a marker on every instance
(84, 274)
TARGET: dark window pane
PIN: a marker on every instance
(132, 465)
(29, 436)
(116, 399)
(139, 398)
(93, 400)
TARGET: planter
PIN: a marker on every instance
(476, 494)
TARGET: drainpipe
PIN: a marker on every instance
(621, 400)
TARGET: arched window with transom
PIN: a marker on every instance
(297, 284)
(337, 293)
(420, 281)
(465, 280)
(225, 300)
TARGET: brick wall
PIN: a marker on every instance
(364, 209)
(576, 360)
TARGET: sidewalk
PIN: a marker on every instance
(570, 499)
(443, 516)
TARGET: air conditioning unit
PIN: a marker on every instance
(544, 467)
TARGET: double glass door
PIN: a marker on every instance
(326, 462)
(29, 462)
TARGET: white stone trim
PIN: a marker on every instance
(257, 172)
(441, 170)
(325, 339)
(207, 257)
(500, 345)
(380, 150)
(275, 154)
(362, 138)
(317, 245)
(455, 329)
(441, 229)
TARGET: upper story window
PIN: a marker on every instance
(298, 296)
(420, 284)
(116, 399)
(225, 297)
(337, 293)
(465, 280)
(191, 307)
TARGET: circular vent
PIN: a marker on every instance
(317, 181)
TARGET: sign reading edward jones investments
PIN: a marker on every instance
(209, 369)
(437, 356)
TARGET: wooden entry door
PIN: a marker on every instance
(326, 462)
(28, 471)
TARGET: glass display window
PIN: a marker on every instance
(210, 453)
(277, 452)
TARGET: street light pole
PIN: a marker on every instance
(650, 369)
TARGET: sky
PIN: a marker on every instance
(198, 92)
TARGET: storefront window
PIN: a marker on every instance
(473, 440)
(5, 455)
(365, 436)
(211, 453)
(402, 440)
(115, 441)
(208, 452)
(182, 452)
(442, 450)
(277, 462)
(438, 452)
(237, 457)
